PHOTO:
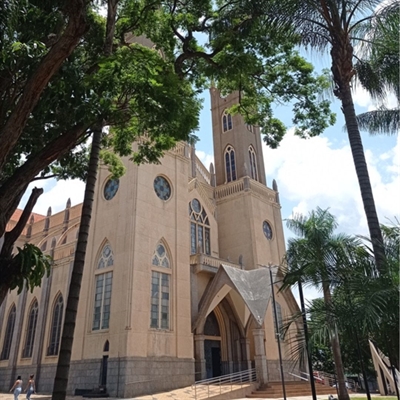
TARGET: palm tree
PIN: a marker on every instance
(378, 69)
(67, 338)
(329, 24)
(64, 357)
(314, 259)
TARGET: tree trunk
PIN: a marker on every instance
(337, 356)
(12, 190)
(364, 182)
(64, 358)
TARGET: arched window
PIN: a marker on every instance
(31, 330)
(43, 247)
(160, 288)
(226, 121)
(253, 164)
(56, 326)
(103, 289)
(199, 229)
(230, 164)
(5, 354)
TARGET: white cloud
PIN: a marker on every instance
(205, 158)
(56, 194)
(313, 173)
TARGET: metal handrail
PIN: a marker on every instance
(351, 384)
(202, 387)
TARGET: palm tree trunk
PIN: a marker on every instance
(64, 358)
(362, 175)
(337, 356)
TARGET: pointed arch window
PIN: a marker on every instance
(199, 229)
(31, 330)
(56, 326)
(253, 163)
(160, 288)
(230, 164)
(226, 121)
(5, 353)
(103, 289)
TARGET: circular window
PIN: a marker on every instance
(111, 188)
(267, 230)
(162, 188)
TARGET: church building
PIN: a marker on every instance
(176, 283)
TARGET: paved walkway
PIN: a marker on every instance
(179, 394)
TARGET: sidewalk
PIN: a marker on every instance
(180, 394)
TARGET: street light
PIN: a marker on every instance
(278, 336)
(305, 327)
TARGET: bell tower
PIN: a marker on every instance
(237, 146)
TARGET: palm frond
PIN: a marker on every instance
(381, 121)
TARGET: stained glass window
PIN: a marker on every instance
(230, 164)
(226, 121)
(5, 354)
(31, 330)
(56, 325)
(102, 301)
(103, 290)
(267, 230)
(199, 228)
(111, 188)
(160, 288)
(162, 188)
(106, 258)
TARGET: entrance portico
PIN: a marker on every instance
(233, 307)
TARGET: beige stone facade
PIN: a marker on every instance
(158, 238)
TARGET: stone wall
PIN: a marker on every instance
(126, 377)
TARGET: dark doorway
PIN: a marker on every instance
(103, 373)
(212, 352)
(216, 361)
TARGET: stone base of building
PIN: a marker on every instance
(126, 376)
(291, 371)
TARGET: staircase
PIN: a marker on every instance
(293, 388)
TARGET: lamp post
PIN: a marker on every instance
(278, 336)
(305, 327)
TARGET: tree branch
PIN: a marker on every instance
(16, 184)
(13, 235)
(51, 63)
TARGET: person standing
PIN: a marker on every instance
(30, 387)
(17, 387)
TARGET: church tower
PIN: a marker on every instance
(237, 146)
(248, 212)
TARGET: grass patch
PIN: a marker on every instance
(374, 397)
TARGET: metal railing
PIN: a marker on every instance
(207, 388)
(325, 379)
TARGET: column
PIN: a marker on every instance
(200, 363)
(245, 343)
(259, 357)
(40, 327)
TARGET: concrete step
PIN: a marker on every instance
(293, 389)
